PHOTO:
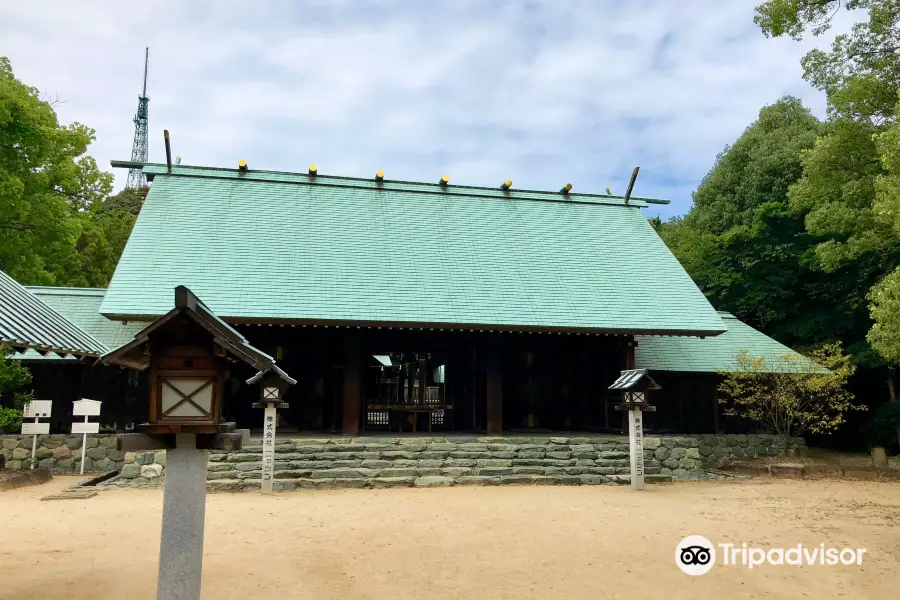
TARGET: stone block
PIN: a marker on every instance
(249, 475)
(559, 440)
(397, 454)
(602, 470)
(47, 463)
(460, 462)
(97, 452)
(14, 465)
(151, 471)
(241, 457)
(565, 480)
(90, 465)
(652, 443)
(494, 471)
(591, 479)
(705, 450)
(433, 481)
(670, 463)
(254, 466)
(107, 441)
(398, 472)
(337, 474)
(493, 462)
(227, 475)
(428, 471)
(667, 442)
(376, 464)
(285, 485)
(527, 462)
(575, 470)
(9, 444)
(433, 455)
(554, 462)
(354, 483)
(130, 471)
(517, 479)
(457, 471)
(585, 455)
(554, 471)
(472, 447)
(503, 447)
(531, 454)
(389, 482)
(654, 478)
(116, 455)
(461, 454)
(160, 457)
(73, 442)
(223, 485)
(66, 464)
(219, 467)
(477, 480)
(20, 454)
(529, 470)
(677, 453)
(92, 442)
(613, 455)
(349, 463)
(559, 455)
(42, 452)
(503, 455)
(429, 464)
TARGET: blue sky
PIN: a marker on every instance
(542, 93)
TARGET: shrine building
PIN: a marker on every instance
(407, 306)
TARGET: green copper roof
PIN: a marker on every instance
(27, 322)
(717, 353)
(81, 306)
(264, 246)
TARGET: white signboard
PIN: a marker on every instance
(87, 408)
(636, 443)
(35, 428)
(38, 409)
(85, 428)
(268, 462)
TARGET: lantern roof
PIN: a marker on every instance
(135, 354)
(634, 379)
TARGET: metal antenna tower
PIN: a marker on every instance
(136, 178)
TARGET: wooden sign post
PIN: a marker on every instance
(271, 391)
(86, 408)
(634, 385)
(36, 409)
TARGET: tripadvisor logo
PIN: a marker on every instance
(696, 555)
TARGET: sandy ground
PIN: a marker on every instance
(510, 542)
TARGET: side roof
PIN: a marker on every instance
(262, 246)
(27, 322)
(717, 353)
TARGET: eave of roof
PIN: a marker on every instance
(27, 322)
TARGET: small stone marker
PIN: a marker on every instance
(634, 385)
(36, 409)
(86, 408)
(270, 399)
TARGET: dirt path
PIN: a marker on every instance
(493, 543)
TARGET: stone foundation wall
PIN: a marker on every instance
(62, 453)
(458, 460)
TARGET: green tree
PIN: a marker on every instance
(13, 377)
(743, 242)
(789, 400)
(49, 190)
(860, 75)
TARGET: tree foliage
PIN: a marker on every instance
(54, 228)
(861, 73)
(791, 403)
(13, 378)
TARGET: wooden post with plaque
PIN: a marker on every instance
(272, 389)
(187, 353)
(634, 385)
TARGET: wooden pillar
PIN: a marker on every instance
(495, 389)
(351, 387)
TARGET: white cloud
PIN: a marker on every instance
(540, 92)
